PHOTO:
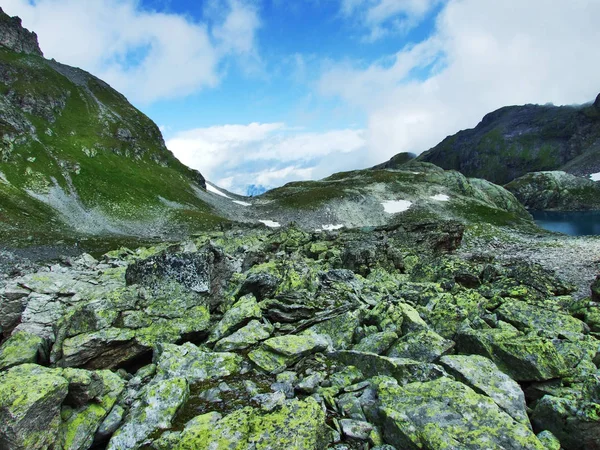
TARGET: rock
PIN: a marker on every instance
(153, 410)
(110, 424)
(79, 426)
(595, 288)
(424, 346)
(548, 440)
(403, 370)
(297, 425)
(21, 348)
(355, 429)
(270, 361)
(245, 337)
(17, 38)
(523, 358)
(484, 377)
(84, 386)
(189, 362)
(262, 285)
(30, 399)
(376, 343)
(575, 422)
(13, 300)
(309, 384)
(340, 329)
(442, 414)
(526, 317)
(296, 346)
(236, 317)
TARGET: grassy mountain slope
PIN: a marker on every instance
(515, 140)
(71, 142)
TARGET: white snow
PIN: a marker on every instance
(238, 202)
(595, 176)
(396, 206)
(270, 223)
(214, 190)
(330, 227)
(440, 197)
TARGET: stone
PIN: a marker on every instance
(595, 289)
(190, 362)
(236, 317)
(309, 384)
(482, 375)
(548, 440)
(403, 370)
(355, 429)
(30, 400)
(84, 386)
(153, 410)
(296, 346)
(269, 361)
(443, 414)
(262, 285)
(377, 343)
(21, 348)
(523, 358)
(245, 337)
(110, 424)
(340, 329)
(424, 346)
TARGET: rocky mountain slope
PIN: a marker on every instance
(76, 156)
(556, 191)
(515, 140)
(385, 339)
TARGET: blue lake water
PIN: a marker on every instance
(574, 223)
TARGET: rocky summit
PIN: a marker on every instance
(402, 307)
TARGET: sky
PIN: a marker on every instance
(263, 92)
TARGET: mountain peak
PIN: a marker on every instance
(17, 38)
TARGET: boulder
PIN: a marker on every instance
(190, 362)
(30, 401)
(152, 411)
(245, 337)
(444, 414)
(236, 317)
(424, 346)
(595, 289)
(377, 342)
(294, 346)
(482, 375)
(21, 348)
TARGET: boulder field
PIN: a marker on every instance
(253, 339)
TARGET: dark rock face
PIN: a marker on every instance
(396, 161)
(515, 140)
(17, 38)
(596, 290)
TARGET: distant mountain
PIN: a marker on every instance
(396, 161)
(76, 155)
(515, 140)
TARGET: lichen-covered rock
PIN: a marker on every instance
(30, 400)
(549, 440)
(79, 425)
(153, 410)
(297, 425)
(443, 414)
(377, 342)
(236, 317)
(340, 329)
(21, 348)
(270, 361)
(527, 317)
(523, 358)
(482, 375)
(424, 346)
(189, 362)
(403, 370)
(446, 313)
(574, 421)
(245, 337)
(294, 346)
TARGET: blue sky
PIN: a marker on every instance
(262, 92)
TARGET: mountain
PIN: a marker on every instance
(77, 157)
(556, 191)
(515, 140)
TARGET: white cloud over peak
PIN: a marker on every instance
(483, 54)
(145, 54)
(268, 154)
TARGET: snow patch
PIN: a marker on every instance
(330, 227)
(214, 190)
(595, 176)
(270, 223)
(440, 197)
(396, 206)
(238, 202)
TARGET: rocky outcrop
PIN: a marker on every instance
(556, 191)
(16, 38)
(515, 140)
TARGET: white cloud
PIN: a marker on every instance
(381, 17)
(268, 154)
(482, 55)
(145, 54)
